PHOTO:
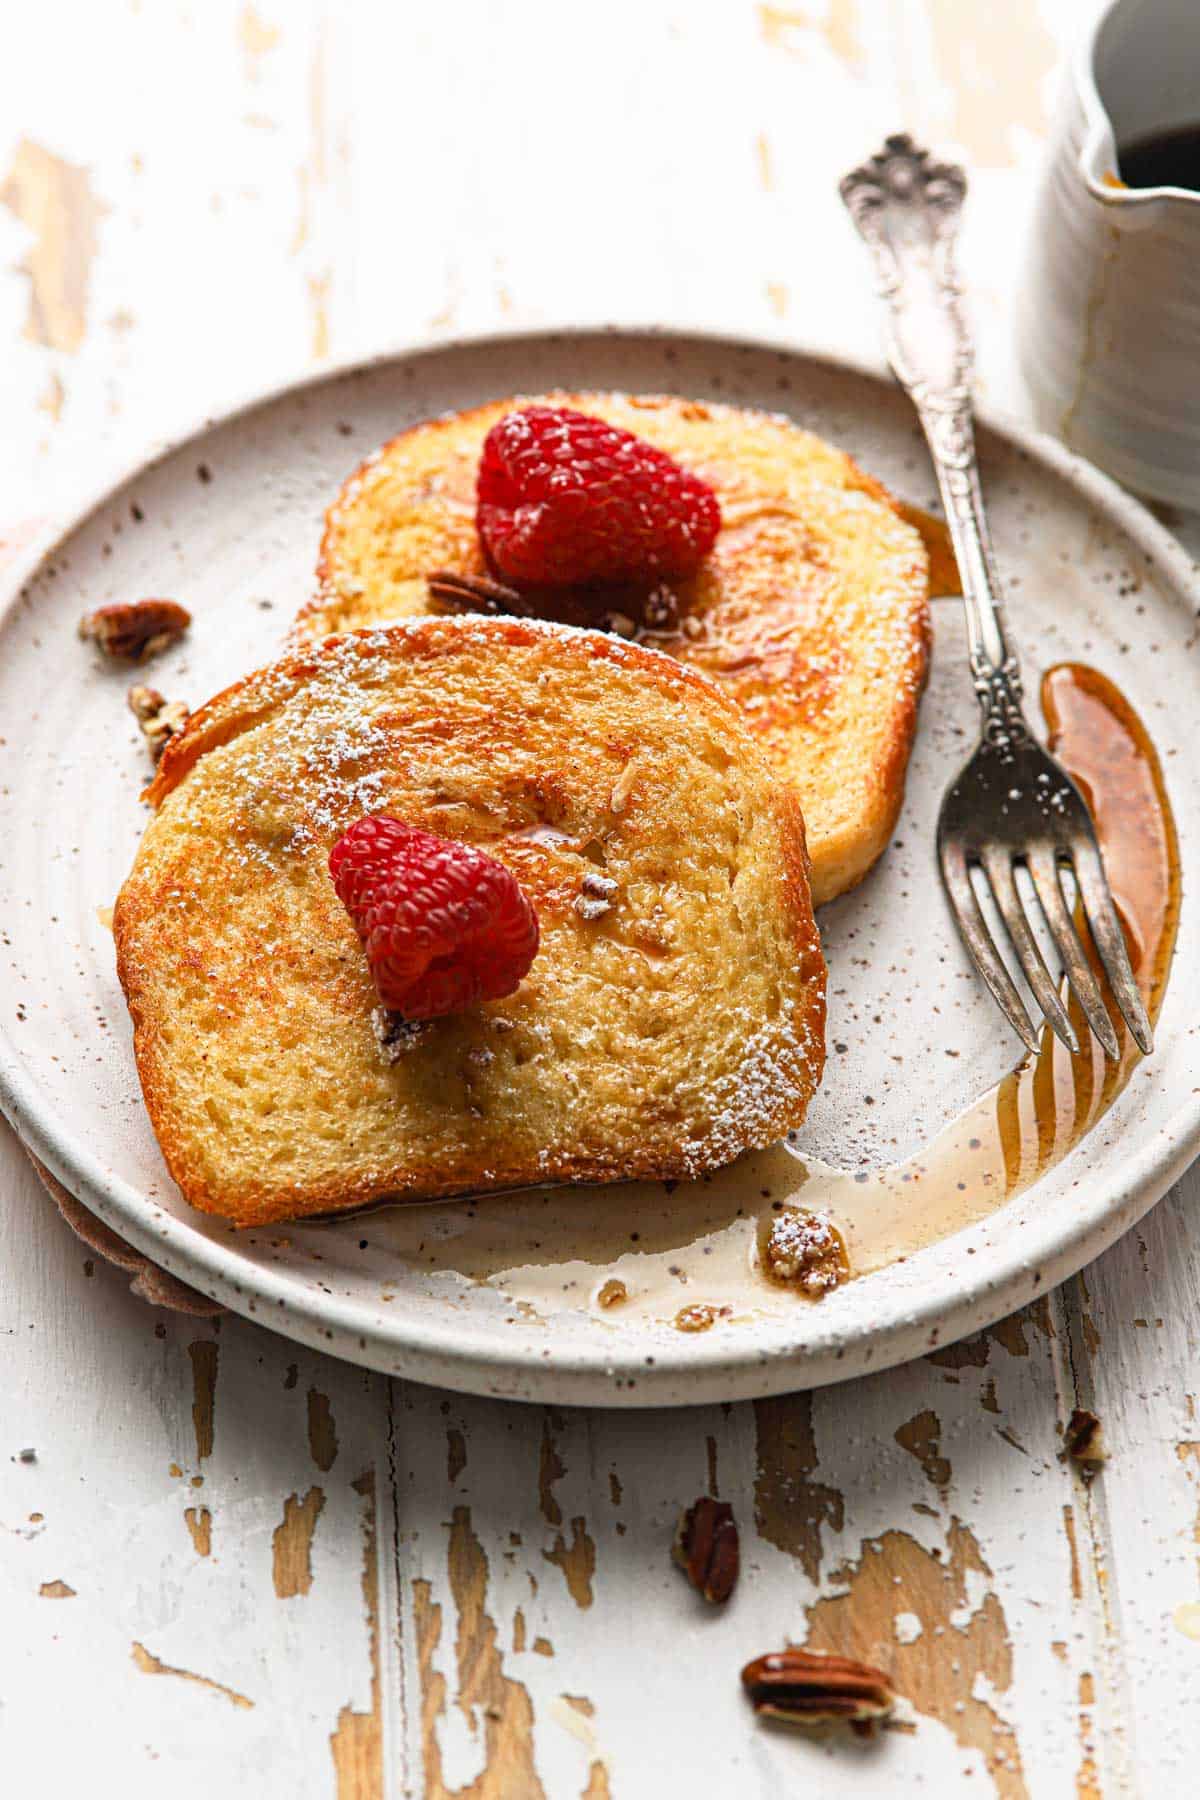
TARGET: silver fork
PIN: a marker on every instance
(1012, 806)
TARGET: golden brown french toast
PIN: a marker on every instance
(811, 612)
(657, 1034)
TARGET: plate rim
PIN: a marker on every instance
(591, 1376)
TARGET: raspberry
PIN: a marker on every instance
(566, 499)
(444, 926)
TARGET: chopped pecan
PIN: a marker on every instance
(805, 1251)
(1083, 1440)
(660, 611)
(706, 1548)
(396, 1035)
(612, 1293)
(596, 895)
(136, 630)
(808, 1687)
(159, 719)
(699, 1316)
(477, 593)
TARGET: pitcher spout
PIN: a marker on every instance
(1131, 209)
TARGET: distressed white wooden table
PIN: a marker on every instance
(230, 1565)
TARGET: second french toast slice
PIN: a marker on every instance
(811, 612)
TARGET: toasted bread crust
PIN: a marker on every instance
(811, 613)
(252, 697)
(249, 994)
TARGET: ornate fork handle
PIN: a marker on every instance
(907, 208)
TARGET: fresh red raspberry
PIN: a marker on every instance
(444, 926)
(563, 499)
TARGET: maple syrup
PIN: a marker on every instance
(1163, 159)
(945, 582)
(1046, 1106)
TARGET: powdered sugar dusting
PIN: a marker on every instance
(750, 1105)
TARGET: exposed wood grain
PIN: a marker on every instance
(291, 1545)
(577, 1560)
(921, 1437)
(150, 1664)
(256, 37)
(995, 82)
(496, 1708)
(550, 1468)
(790, 1508)
(198, 1520)
(53, 199)
(938, 1672)
(322, 1432)
(356, 1743)
(204, 1356)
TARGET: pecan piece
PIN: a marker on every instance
(136, 630)
(159, 719)
(1083, 1440)
(809, 1687)
(477, 593)
(660, 610)
(596, 895)
(396, 1035)
(805, 1251)
(706, 1548)
(699, 1316)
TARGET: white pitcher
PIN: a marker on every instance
(1108, 315)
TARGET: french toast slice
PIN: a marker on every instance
(658, 1033)
(812, 611)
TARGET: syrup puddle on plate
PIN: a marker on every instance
(696, 1243)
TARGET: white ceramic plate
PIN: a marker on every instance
(228, 522)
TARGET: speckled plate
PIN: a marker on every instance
(228, 521)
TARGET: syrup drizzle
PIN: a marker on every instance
(1053, 1099)
(699, 1244)
(945, 583)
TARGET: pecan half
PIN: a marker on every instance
(808, 1687)
(136, 630)
(706, 1548)
(477, 593)
(159, 719)
(1083, 1440)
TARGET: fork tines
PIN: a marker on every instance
(1044, 863)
